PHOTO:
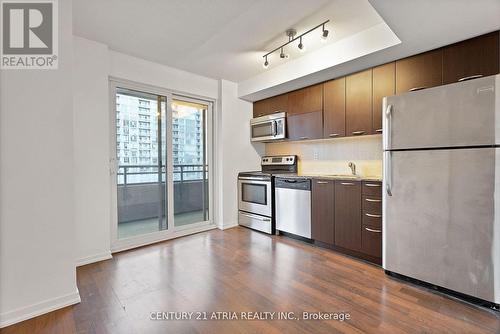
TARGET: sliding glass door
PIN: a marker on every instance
(163, 163)
(190, 164)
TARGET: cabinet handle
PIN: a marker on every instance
(372, 185)
(470, 77)
(357, 133)
(372, 216)
(417, 88)
(378, 130)
(347, 183)
(333, 135)
(321, 182)
(373, 200)
(372, 230)
(302, 138)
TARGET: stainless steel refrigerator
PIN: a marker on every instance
(441, 202)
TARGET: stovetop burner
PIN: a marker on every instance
(272, 165)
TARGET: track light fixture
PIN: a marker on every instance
(266, 63)
(324, 36)
(291, 38)
(301, 46)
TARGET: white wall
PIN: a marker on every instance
(236, 152)
(94, 62)
(37, 257)
(136, 69)
(91, 151)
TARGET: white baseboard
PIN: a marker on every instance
(34, 310)
(94, 258)
(230, 225)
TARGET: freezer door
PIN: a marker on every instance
(459, 114)
(439, 224)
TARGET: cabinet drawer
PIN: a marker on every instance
(372, 219)
(371, 239)
(372, 189)
(372, 205)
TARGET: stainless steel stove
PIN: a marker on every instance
(256, 192)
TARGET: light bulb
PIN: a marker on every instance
(302, 47)
(324, 35)
(266, 64)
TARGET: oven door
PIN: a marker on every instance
(254, 196)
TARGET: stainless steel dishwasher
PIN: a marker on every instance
(293, 205)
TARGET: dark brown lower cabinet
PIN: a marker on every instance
(347, 217)
(371, 234)
(323, 199)
(305, 126)
(348, 214)
(371, 240)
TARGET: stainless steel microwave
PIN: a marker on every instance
(268, 128)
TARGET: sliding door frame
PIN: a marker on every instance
(172, 231)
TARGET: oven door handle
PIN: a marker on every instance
(275, 128)
(254, 178)
(264, 219)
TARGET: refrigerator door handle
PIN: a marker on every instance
(388, 130)
(388, 173)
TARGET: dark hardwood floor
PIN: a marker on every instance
(241, 270)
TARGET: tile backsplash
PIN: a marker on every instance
(331, 156)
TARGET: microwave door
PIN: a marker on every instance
(264, 131)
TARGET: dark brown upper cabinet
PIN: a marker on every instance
(348, 214)
(305, 126)
(471, 58)
(384, 84)
(278, 104)
(323, 196)
(306, 100)
(418, 72)
(271, 105)
(260, 108)
(358, 103)
(334, 108)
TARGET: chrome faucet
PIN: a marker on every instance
(352, 166)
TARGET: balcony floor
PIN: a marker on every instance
(138, 227)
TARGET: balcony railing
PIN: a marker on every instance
(139, 185)
(140, 174)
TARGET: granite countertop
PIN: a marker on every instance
(332, 177)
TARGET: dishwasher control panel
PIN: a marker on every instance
(293, 183)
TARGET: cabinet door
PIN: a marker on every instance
(372, 241)
(420, 71)
(359, 103)
(348, 214)
(278, 103)
(305, 126)
(261, 108)
(384, 84)
(323, 211)
(305, 100)
(474, 57)
(334, 108)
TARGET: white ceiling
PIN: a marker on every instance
(216, 38)
(227, 38)
(420, 25)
